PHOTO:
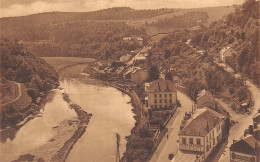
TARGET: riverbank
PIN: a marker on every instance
(65, 136)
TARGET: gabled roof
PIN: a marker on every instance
(162, 85)
(205, 93)
(246, 145)
(202, 122)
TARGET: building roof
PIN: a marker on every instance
(246, 145)
(205, 93)
(162, 85)
(202, 122)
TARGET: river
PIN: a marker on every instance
(37, 131)
(111, 113)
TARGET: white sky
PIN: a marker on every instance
(25, 7)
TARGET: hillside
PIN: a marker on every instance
(240, 33)
(24, 78)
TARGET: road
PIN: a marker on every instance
(244, 120)
(170, 145)
(16, 98)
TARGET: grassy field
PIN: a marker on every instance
(61, 62)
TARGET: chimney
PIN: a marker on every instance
(207, 126)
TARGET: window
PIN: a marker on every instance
(213, 141)
(160, 106)
(151, 106)
(155, 95)
(165, 95)
(160, 95)
(191, 141)
(207, 139)
(207, 148)
(217, 128)
(184, 141)
(160, 100)
(165, 100)
(170, 95)
(213, 133)
(170, 100)
(155, 106)
(155, 101)
(198, 141)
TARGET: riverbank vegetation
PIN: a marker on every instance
(34, 74)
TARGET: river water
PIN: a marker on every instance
(111, 114)
(37, 131)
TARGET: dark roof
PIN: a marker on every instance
(162, 85)
(246, 145)
(201, 123)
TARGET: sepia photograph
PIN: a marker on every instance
(129, 81)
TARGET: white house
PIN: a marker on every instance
(201, 134)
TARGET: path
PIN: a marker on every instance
(16, 98)
(170, 145)
(244, 120)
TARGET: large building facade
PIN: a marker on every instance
(202, 133)
(161, 94)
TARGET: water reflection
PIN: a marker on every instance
(37, 131)
(111, 114)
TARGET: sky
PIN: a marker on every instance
(9, 8)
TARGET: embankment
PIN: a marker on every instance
(83, 117)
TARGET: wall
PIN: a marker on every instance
(204, 142)
(240, 157)
(151, 99)
(139, 76)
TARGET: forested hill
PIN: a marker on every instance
(19, 65)
(240, 32)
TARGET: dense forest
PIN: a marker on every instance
(37, 78)
(187, 20)
(239, 31)
(122, 13)
(78, 38)
(19, 65)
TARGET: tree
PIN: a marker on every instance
(154, 73)
(168, 76)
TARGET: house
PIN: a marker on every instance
(117, 64)
(140, 41)
(102, 64)
(125, 57)
(246, 149)
(225, 52)
(201, 134)
(200, 52)
(136, 74)
(161, 94)
(205, 99)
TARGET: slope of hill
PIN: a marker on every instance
(239, 32)
(35, 78)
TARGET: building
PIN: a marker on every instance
(205, 99)
(102, 64)
(136, 74)
(139, 40)
(225, 52)
(246, 149)
(161, 94)
(125, 57)
(202, 133)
